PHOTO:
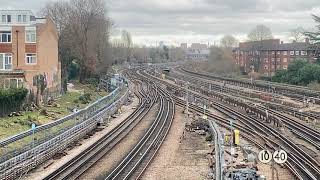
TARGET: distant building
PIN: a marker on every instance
(199, 46)
(184, 46)
(28, 47)
(161, 44)
(268, 56)
(196, 51)
(197, 54)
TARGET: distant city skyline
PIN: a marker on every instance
(203, 21)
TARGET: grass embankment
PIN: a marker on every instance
(13, 125)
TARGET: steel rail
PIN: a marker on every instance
(83, 161)
(295, 149)
(147, 144)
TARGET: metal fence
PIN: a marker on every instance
(219, 156)
(23, 152)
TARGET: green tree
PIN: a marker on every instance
(300, 72)
(315, 37)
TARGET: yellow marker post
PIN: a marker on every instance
(236, 137)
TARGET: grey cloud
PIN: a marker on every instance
(181, 20)
(211, 17)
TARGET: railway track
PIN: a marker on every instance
(302, 165)
(305, 132)
(135, 163)
(244, 94)
(86, 159)
(296, 92)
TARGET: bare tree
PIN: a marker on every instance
(141, 54)
(220, 61)
(59, 12)
(85, 15)
(127, 41)
(228, 41)
(176, 54)
(83, 34)
(103, 47)
(260, 32)
(297, 34)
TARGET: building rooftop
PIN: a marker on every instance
(18, 17)
(274, 44)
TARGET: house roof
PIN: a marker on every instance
(273, 44)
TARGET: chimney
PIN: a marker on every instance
(281, 42)
(294, 41)
(307, 40)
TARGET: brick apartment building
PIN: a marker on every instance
(268, 56)
(28, 47)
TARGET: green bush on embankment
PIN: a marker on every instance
(11, 100)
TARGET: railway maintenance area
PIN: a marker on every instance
(161, 122)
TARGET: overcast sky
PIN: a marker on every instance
(177, 21)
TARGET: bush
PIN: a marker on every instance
(299, 72)
(92, 81)
(314, 86)
(11, 100)
(73, 71)
(85, 98)
(209, 137)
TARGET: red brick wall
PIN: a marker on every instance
(31, 48)
(6, 48)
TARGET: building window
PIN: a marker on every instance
(31, 35)
(265, 67)
(6, 18)
(285, 53)
(272, 59)
(297, 53)
(24, 18)
(278, 59)
(19, 18)
(272, 52)
(278, 52)
(303, 53)
(13, 83)
(31, 58)
(5, 61)
(266, 60)
(285, 60)
(5, 36)
(291, 53)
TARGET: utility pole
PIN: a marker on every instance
(187, 99)
(187, 106)
(231, 147)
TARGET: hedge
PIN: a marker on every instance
(11, 100)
